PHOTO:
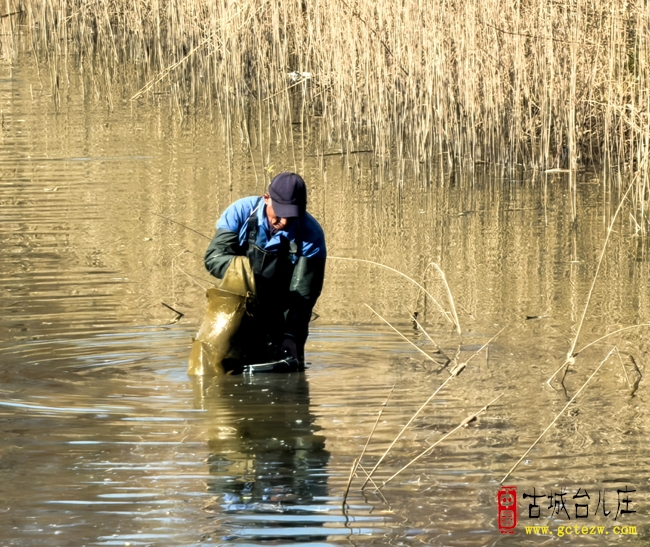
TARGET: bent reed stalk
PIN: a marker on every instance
(453, 374)
(541, 83)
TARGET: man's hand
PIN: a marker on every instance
(289, 346)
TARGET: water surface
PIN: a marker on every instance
(106, 441)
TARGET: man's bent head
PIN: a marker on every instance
(288, 194)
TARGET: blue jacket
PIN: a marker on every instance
(235, 217)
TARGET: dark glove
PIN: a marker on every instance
(223, 247)
(304, 290)
(289, 347)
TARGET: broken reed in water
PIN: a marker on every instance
(540, 83)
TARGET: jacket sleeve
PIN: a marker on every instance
(223, 247)
(304, 290)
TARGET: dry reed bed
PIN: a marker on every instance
(542, 83)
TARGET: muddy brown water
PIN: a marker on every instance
(106, 441)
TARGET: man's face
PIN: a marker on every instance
(275, 222)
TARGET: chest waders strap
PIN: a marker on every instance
(251, 227)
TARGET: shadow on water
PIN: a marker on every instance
(267, 460)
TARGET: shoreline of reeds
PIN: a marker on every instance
(538, 84)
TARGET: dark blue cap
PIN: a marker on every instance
(289, 195)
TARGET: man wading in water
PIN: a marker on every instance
(285, 246)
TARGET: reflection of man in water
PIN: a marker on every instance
(286, 249)
(266, 455)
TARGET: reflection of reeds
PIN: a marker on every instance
(571, 355)
(547, 84)
(450, 316)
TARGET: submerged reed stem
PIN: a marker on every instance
(426, 334)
